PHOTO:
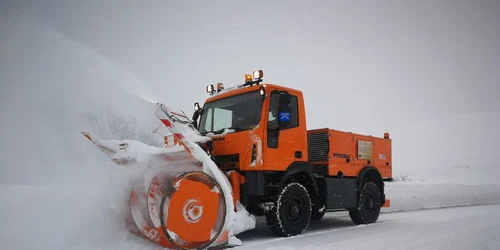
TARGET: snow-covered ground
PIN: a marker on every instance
(450, 214)
(90, 217)
(452, 228)
(58, 191)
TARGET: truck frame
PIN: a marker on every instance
(283, 171)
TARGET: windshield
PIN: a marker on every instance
(238, 113)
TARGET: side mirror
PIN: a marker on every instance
(284, 99)
(196, 106)
(196, 114)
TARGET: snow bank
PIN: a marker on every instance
(64, 217)
(408, 197)
(421, 188)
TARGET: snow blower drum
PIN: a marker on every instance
(194, 207)
(186, 211)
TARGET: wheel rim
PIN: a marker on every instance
(294, 210)
(369, 204)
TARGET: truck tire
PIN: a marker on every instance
(369, 205)
(292, 211)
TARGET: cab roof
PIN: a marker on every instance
(240, 89)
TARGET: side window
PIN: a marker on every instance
(272, 118)
(273, 112)
(207, 126)
(294, 106)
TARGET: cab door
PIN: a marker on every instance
(285, 138)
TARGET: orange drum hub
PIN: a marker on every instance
(193, 211)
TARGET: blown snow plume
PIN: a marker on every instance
(180, 199)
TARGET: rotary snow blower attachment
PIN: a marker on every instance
(181, 200)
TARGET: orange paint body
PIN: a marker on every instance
(344, 157)
(236, 180)
(277, 159)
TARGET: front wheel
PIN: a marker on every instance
(292, 211)
(369, 205)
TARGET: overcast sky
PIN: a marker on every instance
(412, 68)
(412, 60)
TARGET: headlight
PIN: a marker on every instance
(258, 74)
(220, 87)
(210, 88)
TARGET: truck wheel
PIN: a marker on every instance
(292, 211)
(369, 205)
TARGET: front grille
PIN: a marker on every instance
(318, 144)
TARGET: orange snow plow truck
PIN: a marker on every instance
(290, 174)
(256, 135)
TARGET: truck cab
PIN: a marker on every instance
(251, 132)
(276, 166)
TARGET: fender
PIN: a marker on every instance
(299, 167)
(365, 171)
(370, 170)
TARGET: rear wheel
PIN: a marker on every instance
(292, 211)
(369, 204)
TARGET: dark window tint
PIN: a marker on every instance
(273, 111)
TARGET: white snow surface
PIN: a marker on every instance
(459, 228)
(60, 192)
